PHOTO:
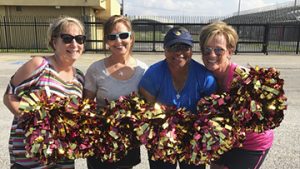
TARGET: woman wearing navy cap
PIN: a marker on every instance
(178, 80)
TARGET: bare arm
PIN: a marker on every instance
(11, 101)
(149, 98)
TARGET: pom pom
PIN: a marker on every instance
(54, 126)
(258, 98)
(162, 130)
(117, 136)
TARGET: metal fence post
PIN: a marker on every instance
(298, 39)
(237, 45)
(36, 38)
(153, 37)
(5, 32)
(266, 39)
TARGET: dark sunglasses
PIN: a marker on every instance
(67, 38)
(218, 51)
(179, 47)
(122, 35)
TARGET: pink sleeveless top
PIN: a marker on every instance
(254, 141)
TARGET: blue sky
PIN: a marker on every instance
(195, 7)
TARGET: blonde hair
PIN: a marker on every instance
(109, 25)
(59, 25)
(216, 28)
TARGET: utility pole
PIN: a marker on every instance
(295, 4)
(122, 8)
(239, 7)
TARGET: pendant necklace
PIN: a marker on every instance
(120, 73)
(177, 95)
(179, 86)
(178, 90)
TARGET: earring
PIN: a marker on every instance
(107, 46)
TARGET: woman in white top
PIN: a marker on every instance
(115, 76)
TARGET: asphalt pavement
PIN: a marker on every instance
(285, 153)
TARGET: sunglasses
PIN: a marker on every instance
(67, 38)
(179, 47)
(122, 35)
(218, 51)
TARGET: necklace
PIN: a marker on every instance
(120, 73)
(178, 89)
(177, 95)
(179, 80)
(179, 86)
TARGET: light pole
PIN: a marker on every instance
(122, 8)
(239, 7)
(295, 4)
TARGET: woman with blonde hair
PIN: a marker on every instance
(66, 38)
(218, 42)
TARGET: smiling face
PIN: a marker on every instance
(215, 54)
(69, 51)
(178, 56)
(120, 45)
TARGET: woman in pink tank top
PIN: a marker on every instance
(218, 42)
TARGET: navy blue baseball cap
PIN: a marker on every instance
(178, 35)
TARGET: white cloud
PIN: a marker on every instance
(192, 7)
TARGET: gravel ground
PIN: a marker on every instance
(285, 152)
